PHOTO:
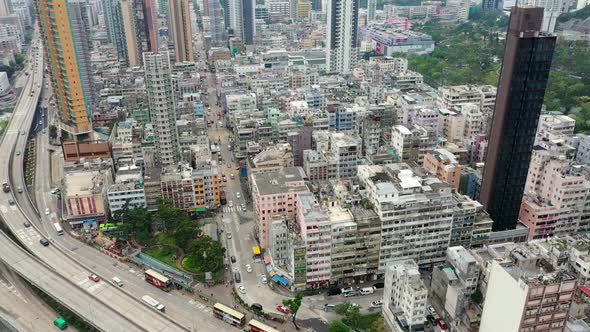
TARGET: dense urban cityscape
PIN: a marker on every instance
(283, 165)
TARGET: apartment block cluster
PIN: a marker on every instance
(534, 286)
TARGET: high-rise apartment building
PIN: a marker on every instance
(158, 83)
(140, 30)
(113, 16)
(341, 35)
(179, 25)
(551, 11)
(216, 22)
(371, 9)
(66, 38)
(525, 70)
(540, 295)
(241, 17)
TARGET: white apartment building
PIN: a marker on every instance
(158, 82)
(411, 144)
(581, 143)
(553, 127)
(346, 150)
(341, 35)
(416, 212)
(452, 96)
(237, 103)
(404, 296)
(127, 194)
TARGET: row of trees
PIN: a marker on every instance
(172, 227)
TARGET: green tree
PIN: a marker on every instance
(338, 326)
(204, 255)
(19, 58)
(294, 305)
(351, 314)
(52, 132)
(136, 222)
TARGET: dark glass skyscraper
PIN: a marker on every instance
(525, 70)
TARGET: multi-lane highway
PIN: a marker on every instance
(182, 309)
(101, 304)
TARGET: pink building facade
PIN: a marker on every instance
(274, 193)
(314, 225)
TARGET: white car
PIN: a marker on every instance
(377, 303)
(238, 195)
(230, 203)
(248, 268)
(431, 310)
(242, 289)
(264, 280)
(47, 211)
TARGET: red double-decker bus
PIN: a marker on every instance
(158, 280)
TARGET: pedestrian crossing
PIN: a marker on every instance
(28, 235)
(199, 306)
(228, 209)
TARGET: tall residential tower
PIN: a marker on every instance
(66, 39)
(341, 48)
(525, 70)
(158, 83)
(179, 17)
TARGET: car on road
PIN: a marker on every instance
(347, 290)
(378, 285)
(93, 277)
(377, 303)
(44, 242)
(238, 195)
(224, 179)
(19, 189)
(431, 310)
(230, 203)
(248, 267)
(22, 132)
(264, 280)
(47, 211)
(27, 224)
(431, 319)
(18, 153)
(442, 323)
(231, 176)
(229, 235)
(11, 201)
(233, 259)
(283, 309)
(242, 289)
(243, 207)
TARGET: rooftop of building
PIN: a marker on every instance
(284, 180)
(126, 186)
(469, 88)
(444, 156)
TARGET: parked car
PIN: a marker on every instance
(233, 259)
(347, 290)
(378, 285)
(431, 319)
(47, 211)
(431, 310)
(283, 309)
(248, 268)
(238, 195)
(264, 280)
(334, 291)
(242, 289)
(94, 277)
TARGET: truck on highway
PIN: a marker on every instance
(155, 304)
(5, 187)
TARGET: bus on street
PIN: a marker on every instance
(229, 315)
(256, 326)
(158, 280)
